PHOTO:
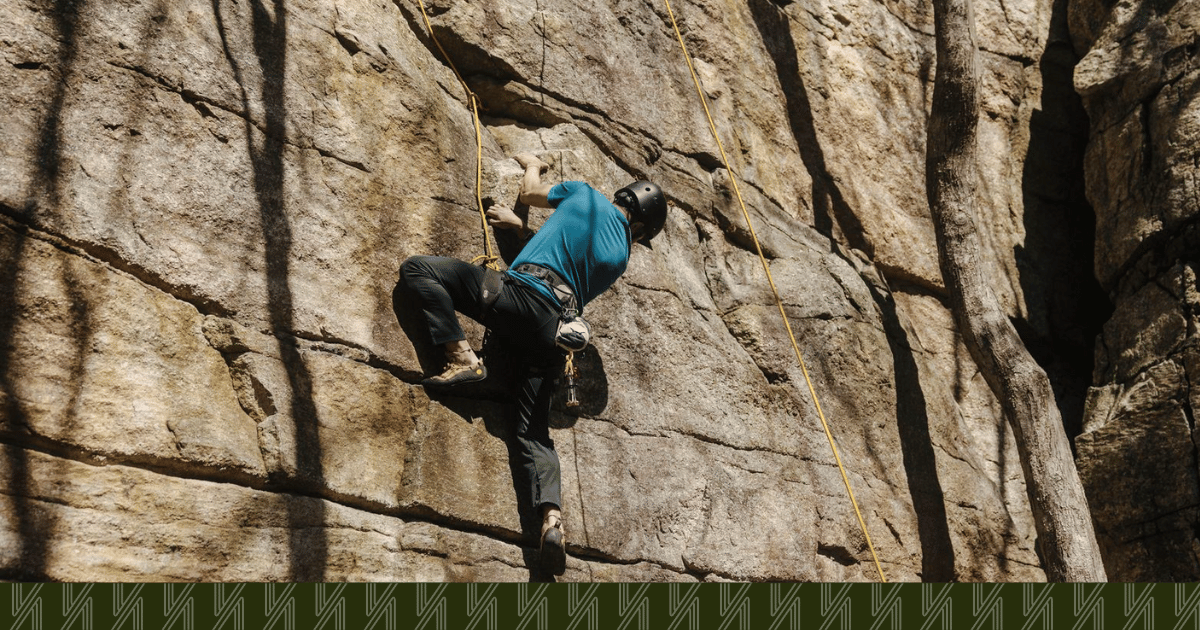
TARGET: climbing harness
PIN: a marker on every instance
(559, 286)
(488, 259)
(573, 333)
(778, 300)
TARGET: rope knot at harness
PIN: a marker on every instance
(486, 260)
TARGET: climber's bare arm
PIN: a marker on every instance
(533, 190)
(503, 218)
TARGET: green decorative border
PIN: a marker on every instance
(598, 606)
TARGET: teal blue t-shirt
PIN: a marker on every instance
(585, 240)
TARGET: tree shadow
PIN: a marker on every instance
(31, 532)
(832, 215)
(49, 146)
(307, 538)
(34, 525)
(138, 103)
(916, 446)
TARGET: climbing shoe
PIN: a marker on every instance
(553, 553)
(457, 375)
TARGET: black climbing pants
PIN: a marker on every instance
(525, 322)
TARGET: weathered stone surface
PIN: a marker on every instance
(737, 514)
(1146, 326)
(206, 204)
(1138, 459)
(120, 370)
(947, 434)
(124, 524)
(355, 432)
(1139, 83)
(279, 183)
(1139, 78)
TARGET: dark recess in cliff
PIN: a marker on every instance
(1067, 306)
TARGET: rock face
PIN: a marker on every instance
(207, 373)
(1140, 80)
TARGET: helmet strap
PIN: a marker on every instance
(637, 231)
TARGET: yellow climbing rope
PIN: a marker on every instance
(778, 300)
(489, 258)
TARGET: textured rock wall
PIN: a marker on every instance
(207, 373)
(1140, 80)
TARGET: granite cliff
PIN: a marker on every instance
(207, 371)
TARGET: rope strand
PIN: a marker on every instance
(778, 300)
(489, 258)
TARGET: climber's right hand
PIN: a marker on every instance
(504, 218)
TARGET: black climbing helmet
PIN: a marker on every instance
(647, 205)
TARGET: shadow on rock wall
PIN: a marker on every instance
(33, 524)
(831, 212)
(29, 563)
(307, 542)
(1066, 304)
(834, 217)
(920, 461)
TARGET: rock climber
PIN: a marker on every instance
(534, 307)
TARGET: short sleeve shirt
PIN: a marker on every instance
(585, 240)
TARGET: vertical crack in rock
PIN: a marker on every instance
(545, 47)
(1064, 307)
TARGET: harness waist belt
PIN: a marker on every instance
(557, 284)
